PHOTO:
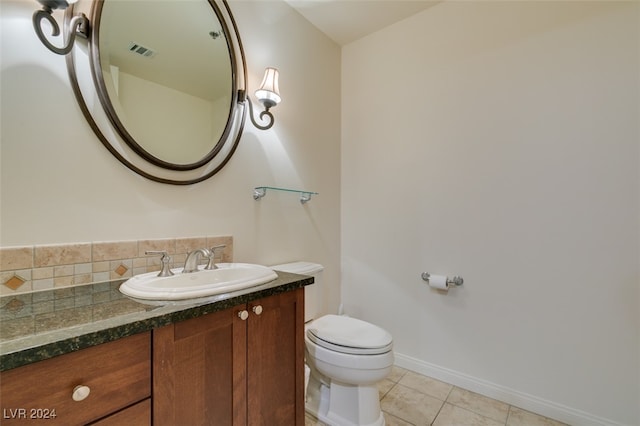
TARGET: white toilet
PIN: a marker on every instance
(346, 357)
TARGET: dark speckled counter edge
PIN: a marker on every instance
(75, 338)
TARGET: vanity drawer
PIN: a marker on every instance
(117, 373)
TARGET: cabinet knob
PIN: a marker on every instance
(243, 315)
(257, 309)
(80, 392)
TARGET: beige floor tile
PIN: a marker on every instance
(410, 399)
(309, 420)
(391, 420)
(384, 386)
(519, 417)
(479, 404)
(396, 374)
(450, 415)
(432, 387)
(410, 405)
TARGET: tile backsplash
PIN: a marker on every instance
(43, 267)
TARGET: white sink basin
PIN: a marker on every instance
(228, 277)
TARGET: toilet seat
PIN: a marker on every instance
(349, 336)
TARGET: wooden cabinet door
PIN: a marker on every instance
(199, 371)
(275, 360)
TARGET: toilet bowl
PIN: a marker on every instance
(346, 356)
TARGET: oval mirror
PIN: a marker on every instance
(167, 80)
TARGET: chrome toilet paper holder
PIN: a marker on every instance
(455, 280)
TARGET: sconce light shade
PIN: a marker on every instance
(269, 96)
(269, 92)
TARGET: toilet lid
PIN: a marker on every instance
(349, 335)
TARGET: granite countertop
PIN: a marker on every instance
(40, 325)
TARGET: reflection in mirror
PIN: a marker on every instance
(165, 74)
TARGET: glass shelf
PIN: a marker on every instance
(261, 191)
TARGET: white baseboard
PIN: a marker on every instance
(519, 399)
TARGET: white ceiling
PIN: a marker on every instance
(345, 21)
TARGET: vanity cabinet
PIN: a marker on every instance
(117, 376)
(239, 366)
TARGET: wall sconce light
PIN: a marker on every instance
(269, 96)
(79, 25)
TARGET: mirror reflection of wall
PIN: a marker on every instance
(167, 72)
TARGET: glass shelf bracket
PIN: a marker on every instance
(261, 191)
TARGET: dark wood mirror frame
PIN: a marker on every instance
(114, 136)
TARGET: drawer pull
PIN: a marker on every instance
(257, 309)
(243, 315)
(80, 392)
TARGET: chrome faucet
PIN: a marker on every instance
(212, 259)
(191, 264)
(165, 260)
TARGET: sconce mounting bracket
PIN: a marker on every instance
(78, 26)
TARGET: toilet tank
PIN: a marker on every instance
(312, 293)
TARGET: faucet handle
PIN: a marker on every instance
(211, 264)
(165, 259)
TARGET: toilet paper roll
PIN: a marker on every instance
(439, 282)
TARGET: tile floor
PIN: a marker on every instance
(410, 399)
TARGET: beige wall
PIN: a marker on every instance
(60, 185)
(189, 121)
(500, 141)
